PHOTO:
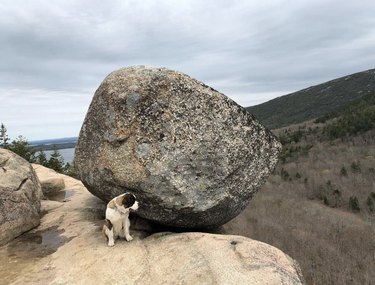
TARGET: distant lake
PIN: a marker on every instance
(67, 154)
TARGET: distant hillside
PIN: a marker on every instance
(314, 101)
(49, 144)
(318, 206)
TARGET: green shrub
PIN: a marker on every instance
(355, 167)
(56, 161)
(290, 151)
(358, 117)
(343, 172)
(337, 197)
(284, 174)
(21, 147)
(41, 158)
(354, 204)
(370, 204)
(70, 170)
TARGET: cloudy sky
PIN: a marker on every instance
(54, 54)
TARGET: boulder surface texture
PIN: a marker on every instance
(20, 194)
(192, 156)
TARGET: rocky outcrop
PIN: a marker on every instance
(69, 248)
(50, 180)
(201, 258)
(193, 157)
(20, 195)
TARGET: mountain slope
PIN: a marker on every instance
(314, 101)
(318, 206)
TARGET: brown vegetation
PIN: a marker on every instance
(318, 206)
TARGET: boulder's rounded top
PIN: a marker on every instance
(143, 69)
(139, 77)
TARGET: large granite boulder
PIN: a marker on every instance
(192, 156)
(20, 194)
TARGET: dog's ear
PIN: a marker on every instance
(111, 204)
(129, 200)
(120, 200)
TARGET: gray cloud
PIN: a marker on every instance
(55, 52)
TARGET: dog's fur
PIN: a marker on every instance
(117, 217)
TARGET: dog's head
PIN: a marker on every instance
(128, 201)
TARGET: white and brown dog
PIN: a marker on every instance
(117, 221)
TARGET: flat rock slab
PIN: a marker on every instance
(69, 248)
(192, 156)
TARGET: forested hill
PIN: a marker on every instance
(315, 101)
(318, 205)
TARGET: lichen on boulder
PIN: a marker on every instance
(192, 156)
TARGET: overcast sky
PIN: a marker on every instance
(54, 54)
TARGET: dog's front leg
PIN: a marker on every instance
(109, 234)
(128, 237)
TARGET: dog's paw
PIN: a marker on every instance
(129, 238)
(111, 243)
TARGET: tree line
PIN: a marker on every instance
(355, 118)
(21, 146)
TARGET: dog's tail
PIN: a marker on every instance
(107, 226)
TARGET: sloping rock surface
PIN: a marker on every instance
(20, 195)
(69, 248)
(193, 157)
(50, 180)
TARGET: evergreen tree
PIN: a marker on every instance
(56, 161)
(69, 169)
(354, 204)
(21, 147)
(42, 158)
(3, 137)
(355, 166)
(343, 171)
(337, 197)
(370, 204)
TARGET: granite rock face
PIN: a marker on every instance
(20, 194)
(192, 156)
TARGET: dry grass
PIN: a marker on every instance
(307, 218)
